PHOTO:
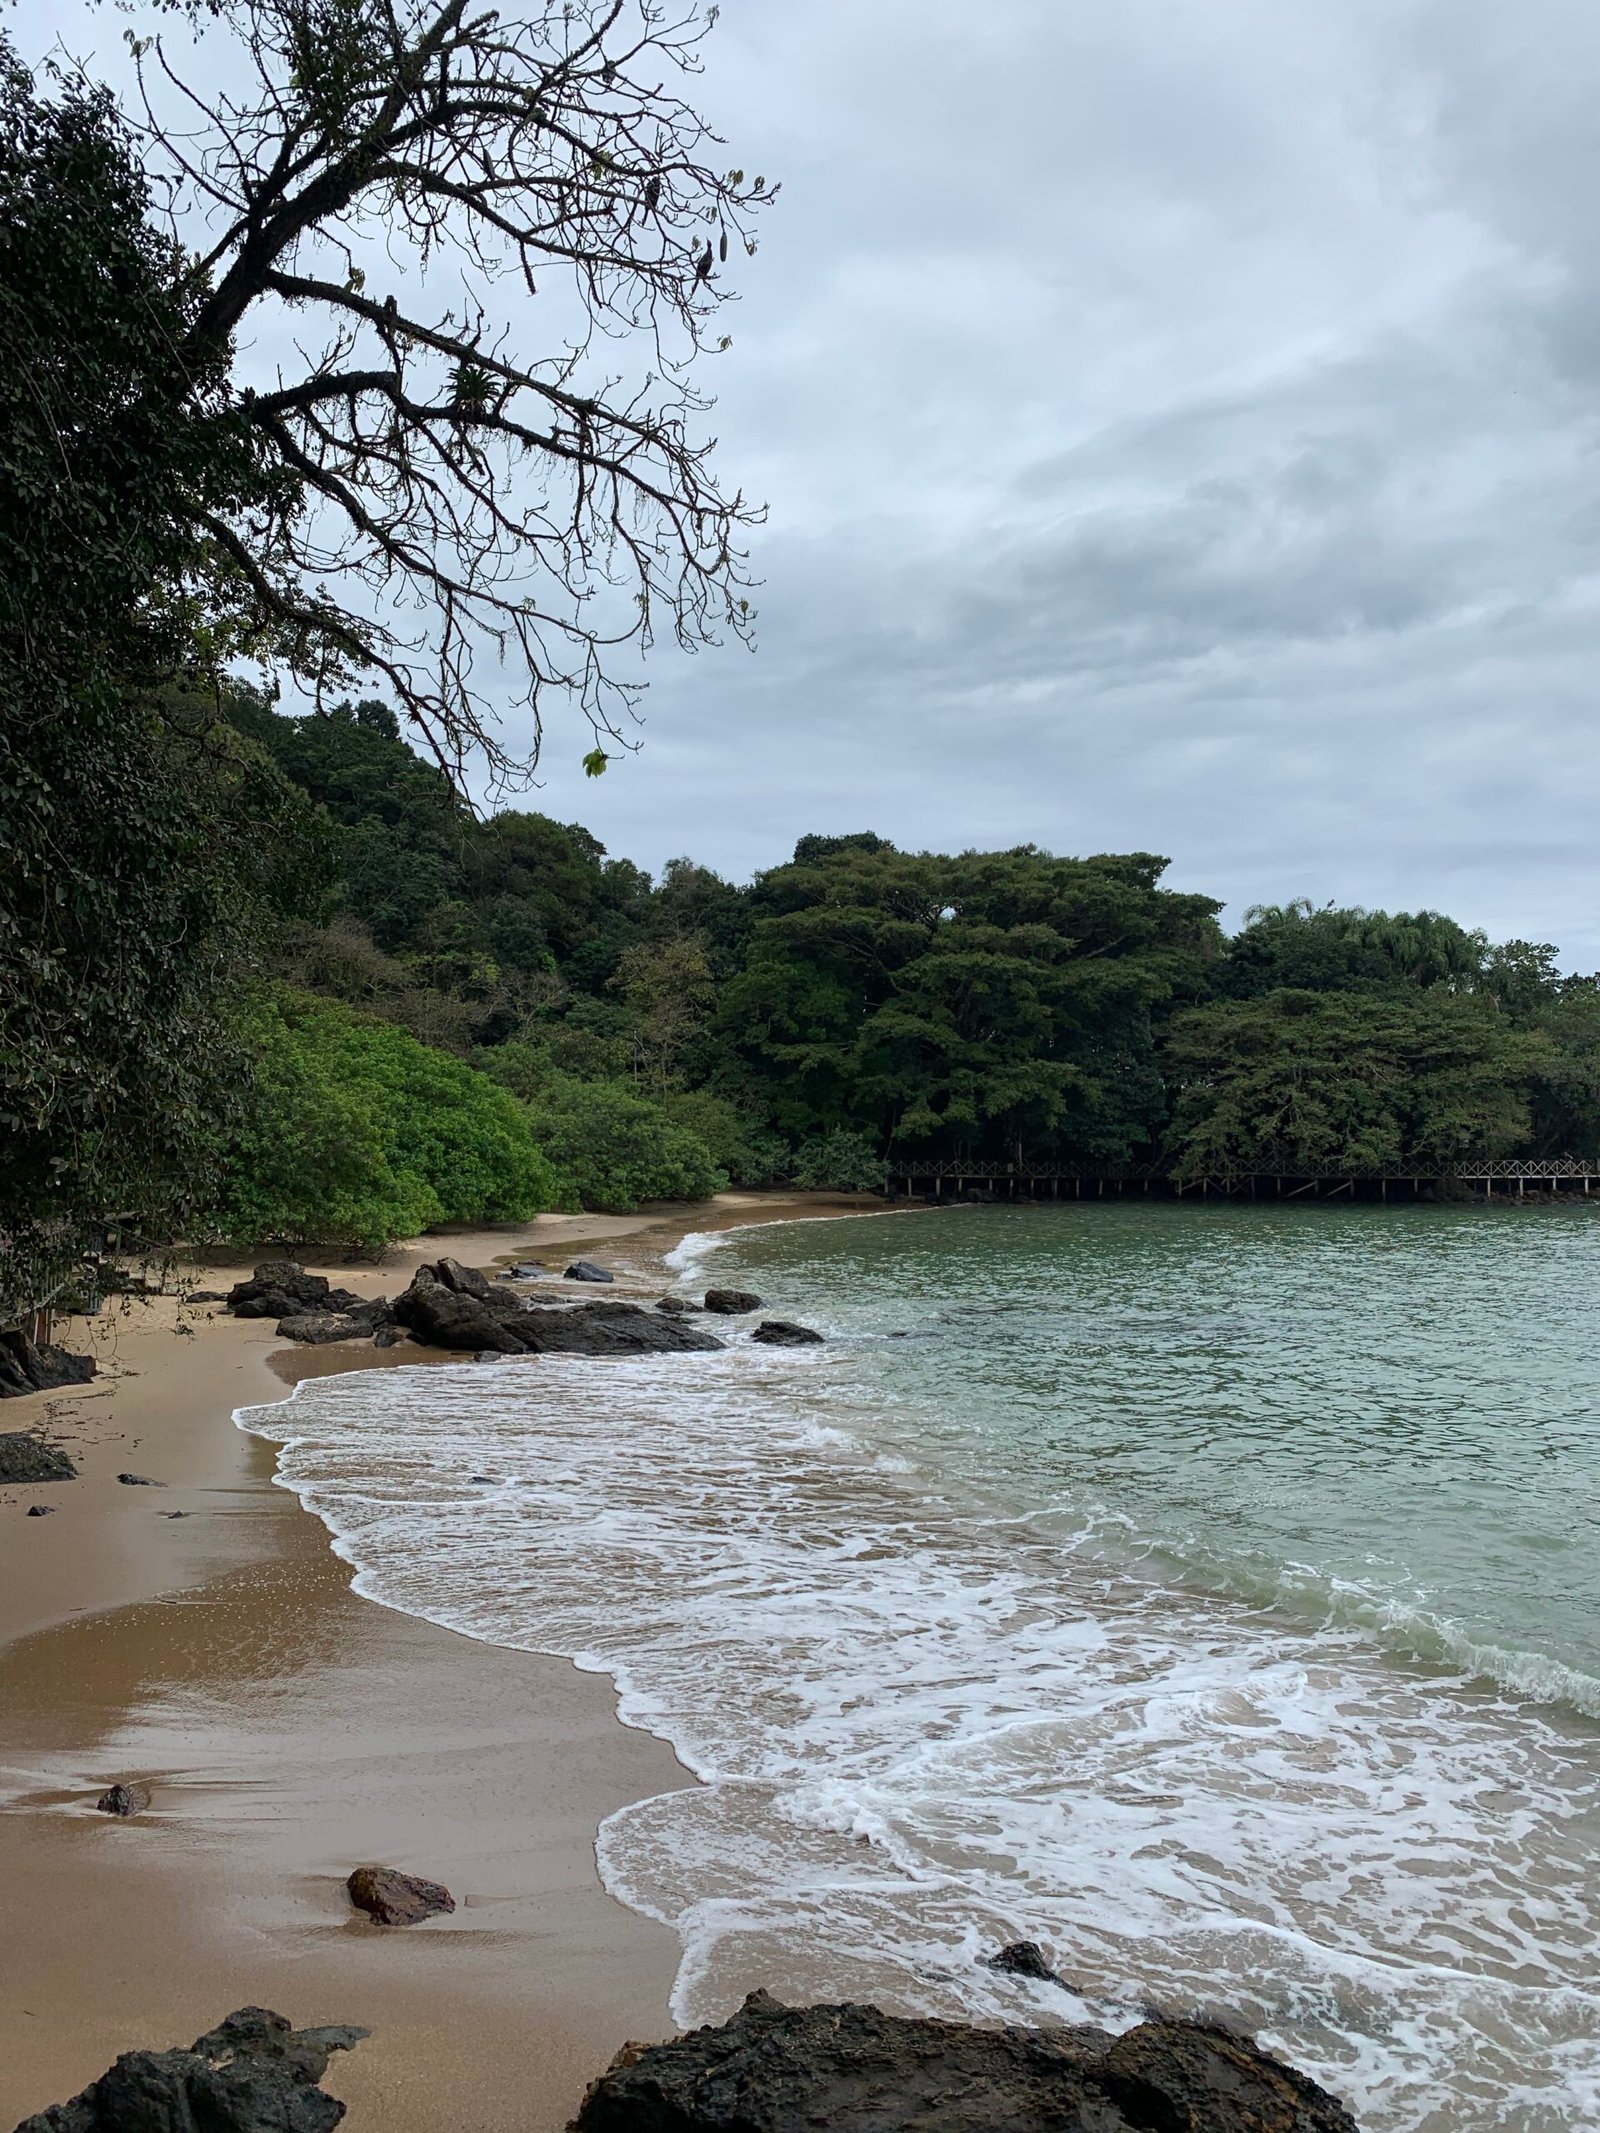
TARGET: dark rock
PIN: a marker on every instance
(139, 1481)
(388, 1337)
(372, 1311)
(174, 1514)
(396, 1899)
(344, 1301)
(124, 1800)
(482, 1481)
(251, 2074)
(607, 1329)
(776, 2069)
(504, 1323)
(207, 1296)
(586, 1270)
(443, 1318)
(732, 1303)
(524, 1270)
(1023, 1958)
(319, 1327)
(677, 1306)
(41, 1510)
(25, 1457)
(784, 1333)
(267, 1303)
(274, 1290)
(465, 1280)
(25, 1368)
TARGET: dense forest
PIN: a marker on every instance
(485, 1016)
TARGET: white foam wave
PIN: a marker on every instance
(921, 1727)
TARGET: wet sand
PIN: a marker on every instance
(290, 1731)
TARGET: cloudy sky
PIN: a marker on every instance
(1179, 421)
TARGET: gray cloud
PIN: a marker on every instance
(1181, 432)
(1180, 426)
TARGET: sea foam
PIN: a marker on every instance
(923, 1722)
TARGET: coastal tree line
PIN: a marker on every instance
(852, 1007)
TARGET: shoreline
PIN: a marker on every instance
(291, 1730)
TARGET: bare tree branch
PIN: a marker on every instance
(449, 498)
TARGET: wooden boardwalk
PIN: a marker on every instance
(960, 1180)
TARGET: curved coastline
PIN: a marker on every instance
(290, 1728)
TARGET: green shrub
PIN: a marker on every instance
(356, 1134)
(840, 1161)
(751, 1154)
(614, 1148)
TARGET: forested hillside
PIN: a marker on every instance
(485, 1015)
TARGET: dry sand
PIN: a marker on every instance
(290, 1731)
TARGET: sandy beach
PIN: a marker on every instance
(290, 1731)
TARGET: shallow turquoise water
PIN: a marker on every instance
(1390, 1414)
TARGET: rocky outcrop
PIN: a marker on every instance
(777, 2069)
(396, 1899)
(608, 1329)
(140, 1481)
(732, 1303)
(251, 2074)
(276, 1289)
(784, 1333)
(25, 1457)
(443, 1317)
(318, 1327)
(586, 1270)
(465, 1280)
(26, 1367)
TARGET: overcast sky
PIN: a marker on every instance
(1179, 421)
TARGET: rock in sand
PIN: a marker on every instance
(139, 1481)
(124, 1800)
(396, 1899)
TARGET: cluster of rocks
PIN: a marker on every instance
(771, 2069)
(452, 1306)
(253, 2073)
(777, 2069)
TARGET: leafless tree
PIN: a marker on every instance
(405, 194)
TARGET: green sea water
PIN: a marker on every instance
(1388, 1415)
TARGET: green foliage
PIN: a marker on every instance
(614, 1148)
(962, 1005)
(1298, 946)
(751, 1153)
(840, 1161)
(1299, 1082)
(356, 1134)
(140, 838)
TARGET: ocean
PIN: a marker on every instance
(1210, 1594)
